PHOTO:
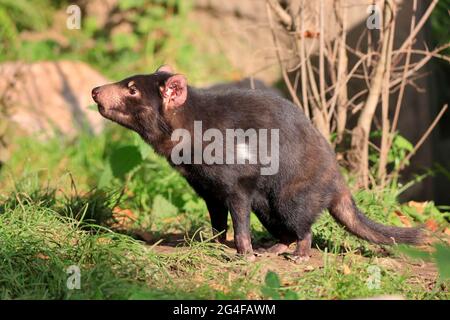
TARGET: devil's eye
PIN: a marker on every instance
(132, 90)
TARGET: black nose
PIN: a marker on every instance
(95, 92)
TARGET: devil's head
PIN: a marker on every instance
(139, 101)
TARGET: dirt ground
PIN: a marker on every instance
(423, 272)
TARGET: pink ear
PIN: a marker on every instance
(174, 92)
(165, 68)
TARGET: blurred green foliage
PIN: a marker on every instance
(138, 36)
(400, 148)
(440, 257)
(20, 15)
(440, 23)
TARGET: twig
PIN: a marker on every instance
(419, 26)
(285, 18)
(404, 76)
(423, 62)
(385, 130)
(360, 138)
(322, 58)
(303, 62)
(277, 50)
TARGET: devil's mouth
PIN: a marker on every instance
(106, 111)
(100, 108)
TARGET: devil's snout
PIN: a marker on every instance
(95, 93)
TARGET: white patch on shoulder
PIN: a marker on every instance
(243, 153)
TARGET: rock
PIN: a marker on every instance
(237, 35)
(48, 98)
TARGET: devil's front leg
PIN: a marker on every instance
(218, 213)
(240, 215)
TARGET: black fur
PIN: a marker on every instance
(287, 203)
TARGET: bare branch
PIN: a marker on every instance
(277, 50)
(419, 26)
(285, 18)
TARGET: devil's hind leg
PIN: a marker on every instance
(277, 229)
(299, 216)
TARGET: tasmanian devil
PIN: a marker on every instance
(287, 201)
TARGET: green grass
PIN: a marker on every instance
(39, 242)
(54, 213)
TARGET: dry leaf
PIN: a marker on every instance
(311, 34)
(123, 218)
(171, 219)
(389, 263)
(419, 206)
(431, 225)
(405, 221)
(104, 240)
(308, 268)
(42, 256)
(346, 269)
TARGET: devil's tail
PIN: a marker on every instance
(345, 211)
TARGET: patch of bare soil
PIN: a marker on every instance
(421, 272)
